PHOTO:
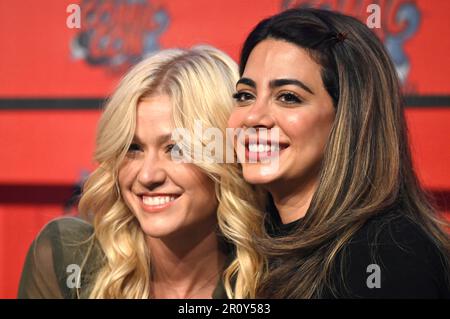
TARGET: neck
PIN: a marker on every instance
(185, 269)
(292, 202)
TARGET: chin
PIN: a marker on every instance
(155, 232)
(157, 226)
(259, 174)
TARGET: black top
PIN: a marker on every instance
(403, 258)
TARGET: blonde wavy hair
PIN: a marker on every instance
(200, 83)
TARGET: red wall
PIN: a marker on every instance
(44, 152)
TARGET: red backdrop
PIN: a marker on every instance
(47, 138)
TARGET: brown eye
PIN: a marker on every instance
(243, 97)
(289, 98)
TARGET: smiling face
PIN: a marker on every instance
(169, 199)
(281, 87)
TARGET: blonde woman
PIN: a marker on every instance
(154, 219)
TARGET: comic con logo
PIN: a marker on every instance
(400, 20)
(116, 34)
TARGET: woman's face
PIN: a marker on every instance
(281, 87)
(169, 199)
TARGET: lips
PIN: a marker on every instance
(157, 202)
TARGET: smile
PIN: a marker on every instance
(263, 150)
(155, 203)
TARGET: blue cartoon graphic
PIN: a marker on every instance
(409, 15)
(400, 21)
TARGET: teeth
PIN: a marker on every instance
(157, 200)
(253, 148)
(260, 148)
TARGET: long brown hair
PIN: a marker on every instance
(367, 167)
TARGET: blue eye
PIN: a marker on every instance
(174, 151)
(134, 147)
(243, 97)
(173, 147)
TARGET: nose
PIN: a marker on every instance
(152, 172)
(259, 115)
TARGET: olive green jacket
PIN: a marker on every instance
(59, 254)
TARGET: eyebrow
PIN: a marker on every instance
(282, 82)
(276, 83)
(246, 81)
(161, 139)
